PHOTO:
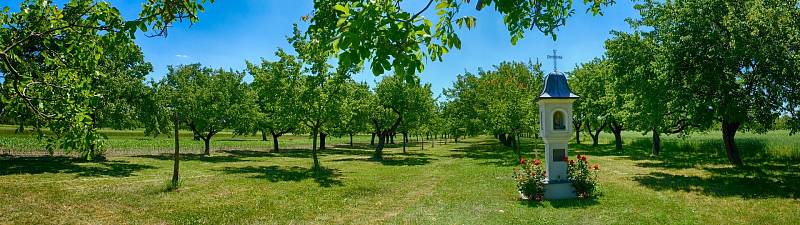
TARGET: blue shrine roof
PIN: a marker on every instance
(556, 87)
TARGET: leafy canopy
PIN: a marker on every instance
(393, 38)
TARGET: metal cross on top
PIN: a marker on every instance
(555, 58)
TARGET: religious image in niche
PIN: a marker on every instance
(558, 121)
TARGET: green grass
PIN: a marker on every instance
(459, 183)
(134, 142)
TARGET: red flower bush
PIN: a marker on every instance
(583, 177)
(530, 179)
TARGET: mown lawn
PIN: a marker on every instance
(459, 183)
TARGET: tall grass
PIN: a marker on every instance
(771, 145)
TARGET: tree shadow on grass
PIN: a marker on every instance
(719, 185)
(490, 152)
(195, 157)
(69, 165)
(761, 177)
(292, 153)
(324, 177)
(408, 159)
(296, 153)
(573, 203)
(362, 146)
(339, 151)
(564, 203)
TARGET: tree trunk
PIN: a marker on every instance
(314, 150)
(372, 141)
(618, 140)
(433, 141)
(502, 138)
(656, 142)
(391, 138)
(595, 134)
(728, 133)
(264, 135)
(176, 164)
(617, 129)
(405, 140)
(577, 132)
(322, 137)
(92, 146)
(351, 140)
(208, 147)
(275, 147)
(516, 147)
(422, 146)
(511, 140)
(379, 148)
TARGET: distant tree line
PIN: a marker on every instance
(500, 102)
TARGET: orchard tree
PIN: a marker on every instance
(208, 100)
(459, 113)
(505, 105)
(601, 106)
(55, 61)
(420, 97)
(355, 111)
(394, 99)
(589, 81)
(652, 99)
(160, 115)
(323, 87)
(278, 86)
(738, 59)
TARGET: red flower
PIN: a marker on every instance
(566, 158)
(522, 161)
(584, 158)
(596, 167)
(571, 162)
(537, 162)
(579, 156)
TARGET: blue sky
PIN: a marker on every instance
(230, 32)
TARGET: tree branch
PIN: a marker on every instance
(421, 11)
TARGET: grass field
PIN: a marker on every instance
(458, 183)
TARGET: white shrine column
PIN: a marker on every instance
(555, 128)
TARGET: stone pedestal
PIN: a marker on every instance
(559, 190)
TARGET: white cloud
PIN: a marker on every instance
(182, 56)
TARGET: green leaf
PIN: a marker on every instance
(342, 8)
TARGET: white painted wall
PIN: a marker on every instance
(555, 139)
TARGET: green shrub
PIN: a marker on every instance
(530, 179)
(583, 177)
